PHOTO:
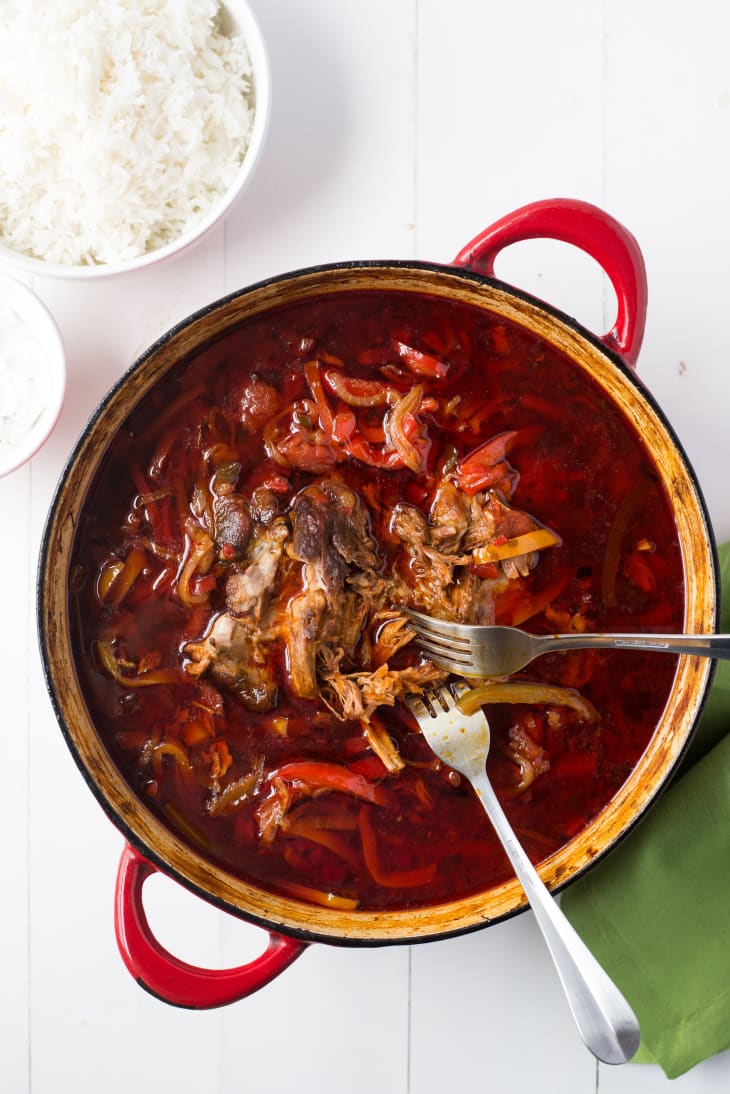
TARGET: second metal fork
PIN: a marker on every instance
(498, 651)
(604, 1019)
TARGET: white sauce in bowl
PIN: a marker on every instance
(32, 373)
(24, 381)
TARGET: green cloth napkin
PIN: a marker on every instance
(656, 913)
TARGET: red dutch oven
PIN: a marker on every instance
(293, 924)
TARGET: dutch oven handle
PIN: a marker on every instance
(170, 979)
(593, 231)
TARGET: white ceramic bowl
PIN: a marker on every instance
(237, 17)
(26, 310)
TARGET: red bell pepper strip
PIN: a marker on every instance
(345, 431)
(423, 364)
(518, 603)
(314, 379)
(319, 775)
(486, 465)
(371, 767)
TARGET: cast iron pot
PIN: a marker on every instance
(292, 924)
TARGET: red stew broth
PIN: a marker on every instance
(583, 472)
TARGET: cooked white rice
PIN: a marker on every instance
(122, 122)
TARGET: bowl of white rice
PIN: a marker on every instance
(128, 129)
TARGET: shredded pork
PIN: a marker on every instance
(313, 599)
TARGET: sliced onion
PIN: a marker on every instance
(523, 692)
(319, 896)
(144, 679)
(394, 423)
(199, 560)
(357, 392)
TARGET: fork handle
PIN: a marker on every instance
(604, 1019)
(706, 645)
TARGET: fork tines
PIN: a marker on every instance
(441, 641)
(438, 628)
(432, 701)
(444, 656)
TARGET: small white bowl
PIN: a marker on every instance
(24, 308)
(238, 18)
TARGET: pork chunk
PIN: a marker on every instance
(247, 590)
(234, 657)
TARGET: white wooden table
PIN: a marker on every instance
(400, 128)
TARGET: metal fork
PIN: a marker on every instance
(604, 1019)
(499, 651)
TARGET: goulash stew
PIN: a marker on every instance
(253, 536)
